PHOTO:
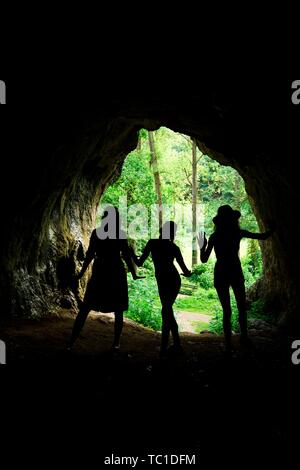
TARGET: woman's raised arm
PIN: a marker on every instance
(257, 236)
(205, 248)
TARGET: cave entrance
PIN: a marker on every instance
(85, 150)
(167, 167)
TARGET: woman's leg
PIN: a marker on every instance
(224, 296)
(169, 323)
(240, 297)
(79, 323)
(173, 322)
(165, 330)
(174, 329)
(118, 329)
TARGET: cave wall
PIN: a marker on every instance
(70, 158)
(50, 229)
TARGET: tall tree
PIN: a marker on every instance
(193, 182)
(157, 180)
(194, 203)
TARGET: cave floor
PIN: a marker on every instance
(131, 402)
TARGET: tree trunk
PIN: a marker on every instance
(194, 204)
(154, 165)
(139, 144)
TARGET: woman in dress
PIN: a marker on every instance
(107, 289)
(164, 252)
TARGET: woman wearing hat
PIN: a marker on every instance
(107, 289)
(228, 270)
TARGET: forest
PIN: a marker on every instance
(168, 171)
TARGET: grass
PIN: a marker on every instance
(197, 296)
(202, 301)
(200, 326)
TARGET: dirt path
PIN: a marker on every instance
(187, 320)
(134, 401)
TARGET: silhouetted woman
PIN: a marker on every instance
(228, 270)
(164, 252)
(107, 289)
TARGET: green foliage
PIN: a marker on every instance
(254, 259)
(144, 306)
(203, 300)
(203, 274)
(135, 181)
(187, 288)
(252, 269)
(259, 310)
(216, 323)
(217, 185)
(199, 326)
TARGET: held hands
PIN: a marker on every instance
(187, 274)
(202, 240)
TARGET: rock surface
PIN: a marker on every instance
(71, 156)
